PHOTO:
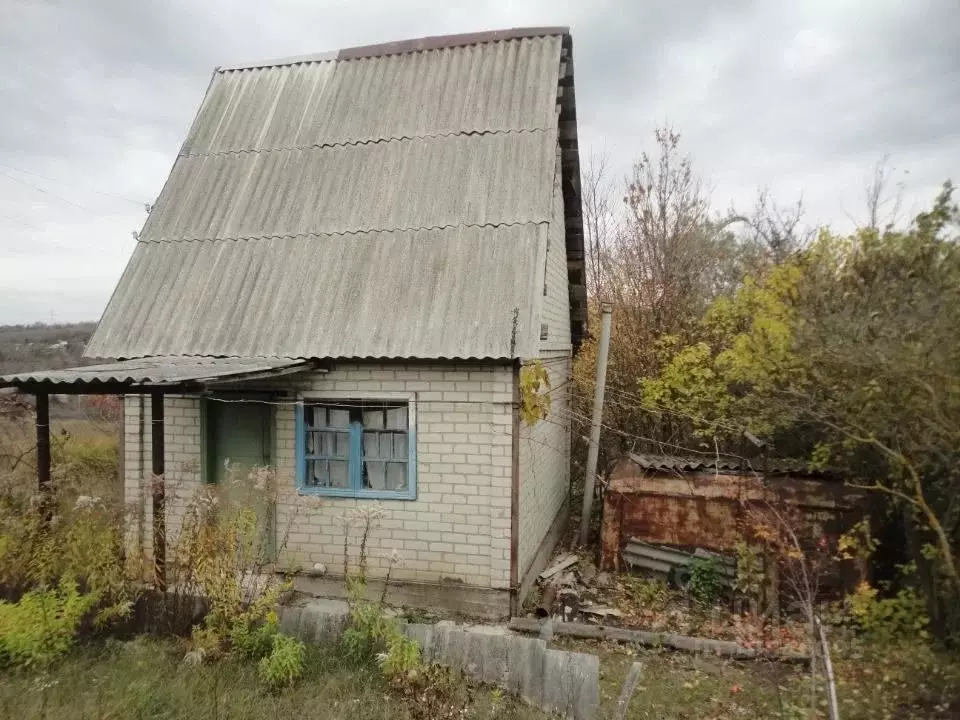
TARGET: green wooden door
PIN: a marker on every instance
(238, 438)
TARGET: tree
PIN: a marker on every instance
(659, 257)
(852, 351)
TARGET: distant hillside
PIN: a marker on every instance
(43, 347)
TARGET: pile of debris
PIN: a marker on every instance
(571, 587)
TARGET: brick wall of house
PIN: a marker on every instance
(458, 528)
(545, 463)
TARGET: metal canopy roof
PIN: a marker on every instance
(387, 201)
(155, 373)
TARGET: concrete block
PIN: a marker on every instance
(571, 684)
(290, 620)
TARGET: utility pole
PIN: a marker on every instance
(591, 478)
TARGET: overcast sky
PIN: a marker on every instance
(803, 96)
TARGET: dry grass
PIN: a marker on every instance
(84, 455)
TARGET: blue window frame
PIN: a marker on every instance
(356, 448)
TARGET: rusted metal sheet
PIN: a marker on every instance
(688, 510)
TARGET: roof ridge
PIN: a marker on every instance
(374, 141)
(403, 47)
(365, 231)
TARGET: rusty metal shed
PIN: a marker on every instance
(687, 503)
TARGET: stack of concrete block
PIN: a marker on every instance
(565, 683)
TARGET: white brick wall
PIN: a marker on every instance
(181, 461)
(545, 462)
(458, 528)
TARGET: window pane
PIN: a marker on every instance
(400, 446)
(371, 444)
(396, 476)
(374, 475)
(338, 474)
(343, 445)
(339, 417)
(316, 416)
(313, 443)
(397, 418)
(373, 418)
(316, 473)
(327, 446)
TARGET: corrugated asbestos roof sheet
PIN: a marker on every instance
(160, 371)
(380, 202)
(406, 184)
(407, 291)
(491, 87)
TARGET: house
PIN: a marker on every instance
(351, 260)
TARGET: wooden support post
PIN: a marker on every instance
(43, 453)
(159, 494)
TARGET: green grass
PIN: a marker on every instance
(146, 679)
(678, 686)
(874, 682)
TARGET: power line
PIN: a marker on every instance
(46, 192)
(64, 182)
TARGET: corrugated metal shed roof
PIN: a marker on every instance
(157, 371)
(712, 463)
(392, 202)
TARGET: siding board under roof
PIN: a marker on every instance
(391, 205)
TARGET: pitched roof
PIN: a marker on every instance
(388, 201)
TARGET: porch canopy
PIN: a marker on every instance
(155, 376)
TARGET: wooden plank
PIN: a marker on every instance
(561, 564)
(725, 648)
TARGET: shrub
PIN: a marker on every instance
(222, 554)
(284, 665)
(254, 640)
(704, 585)
(901, 617)
(42, 626)
(370, 632)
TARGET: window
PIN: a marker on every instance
(356, 448)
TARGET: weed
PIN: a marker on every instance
(705, 586)
(43, 625)
(283, 666)
(901, 617)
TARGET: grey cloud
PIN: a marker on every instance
(796, 96)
